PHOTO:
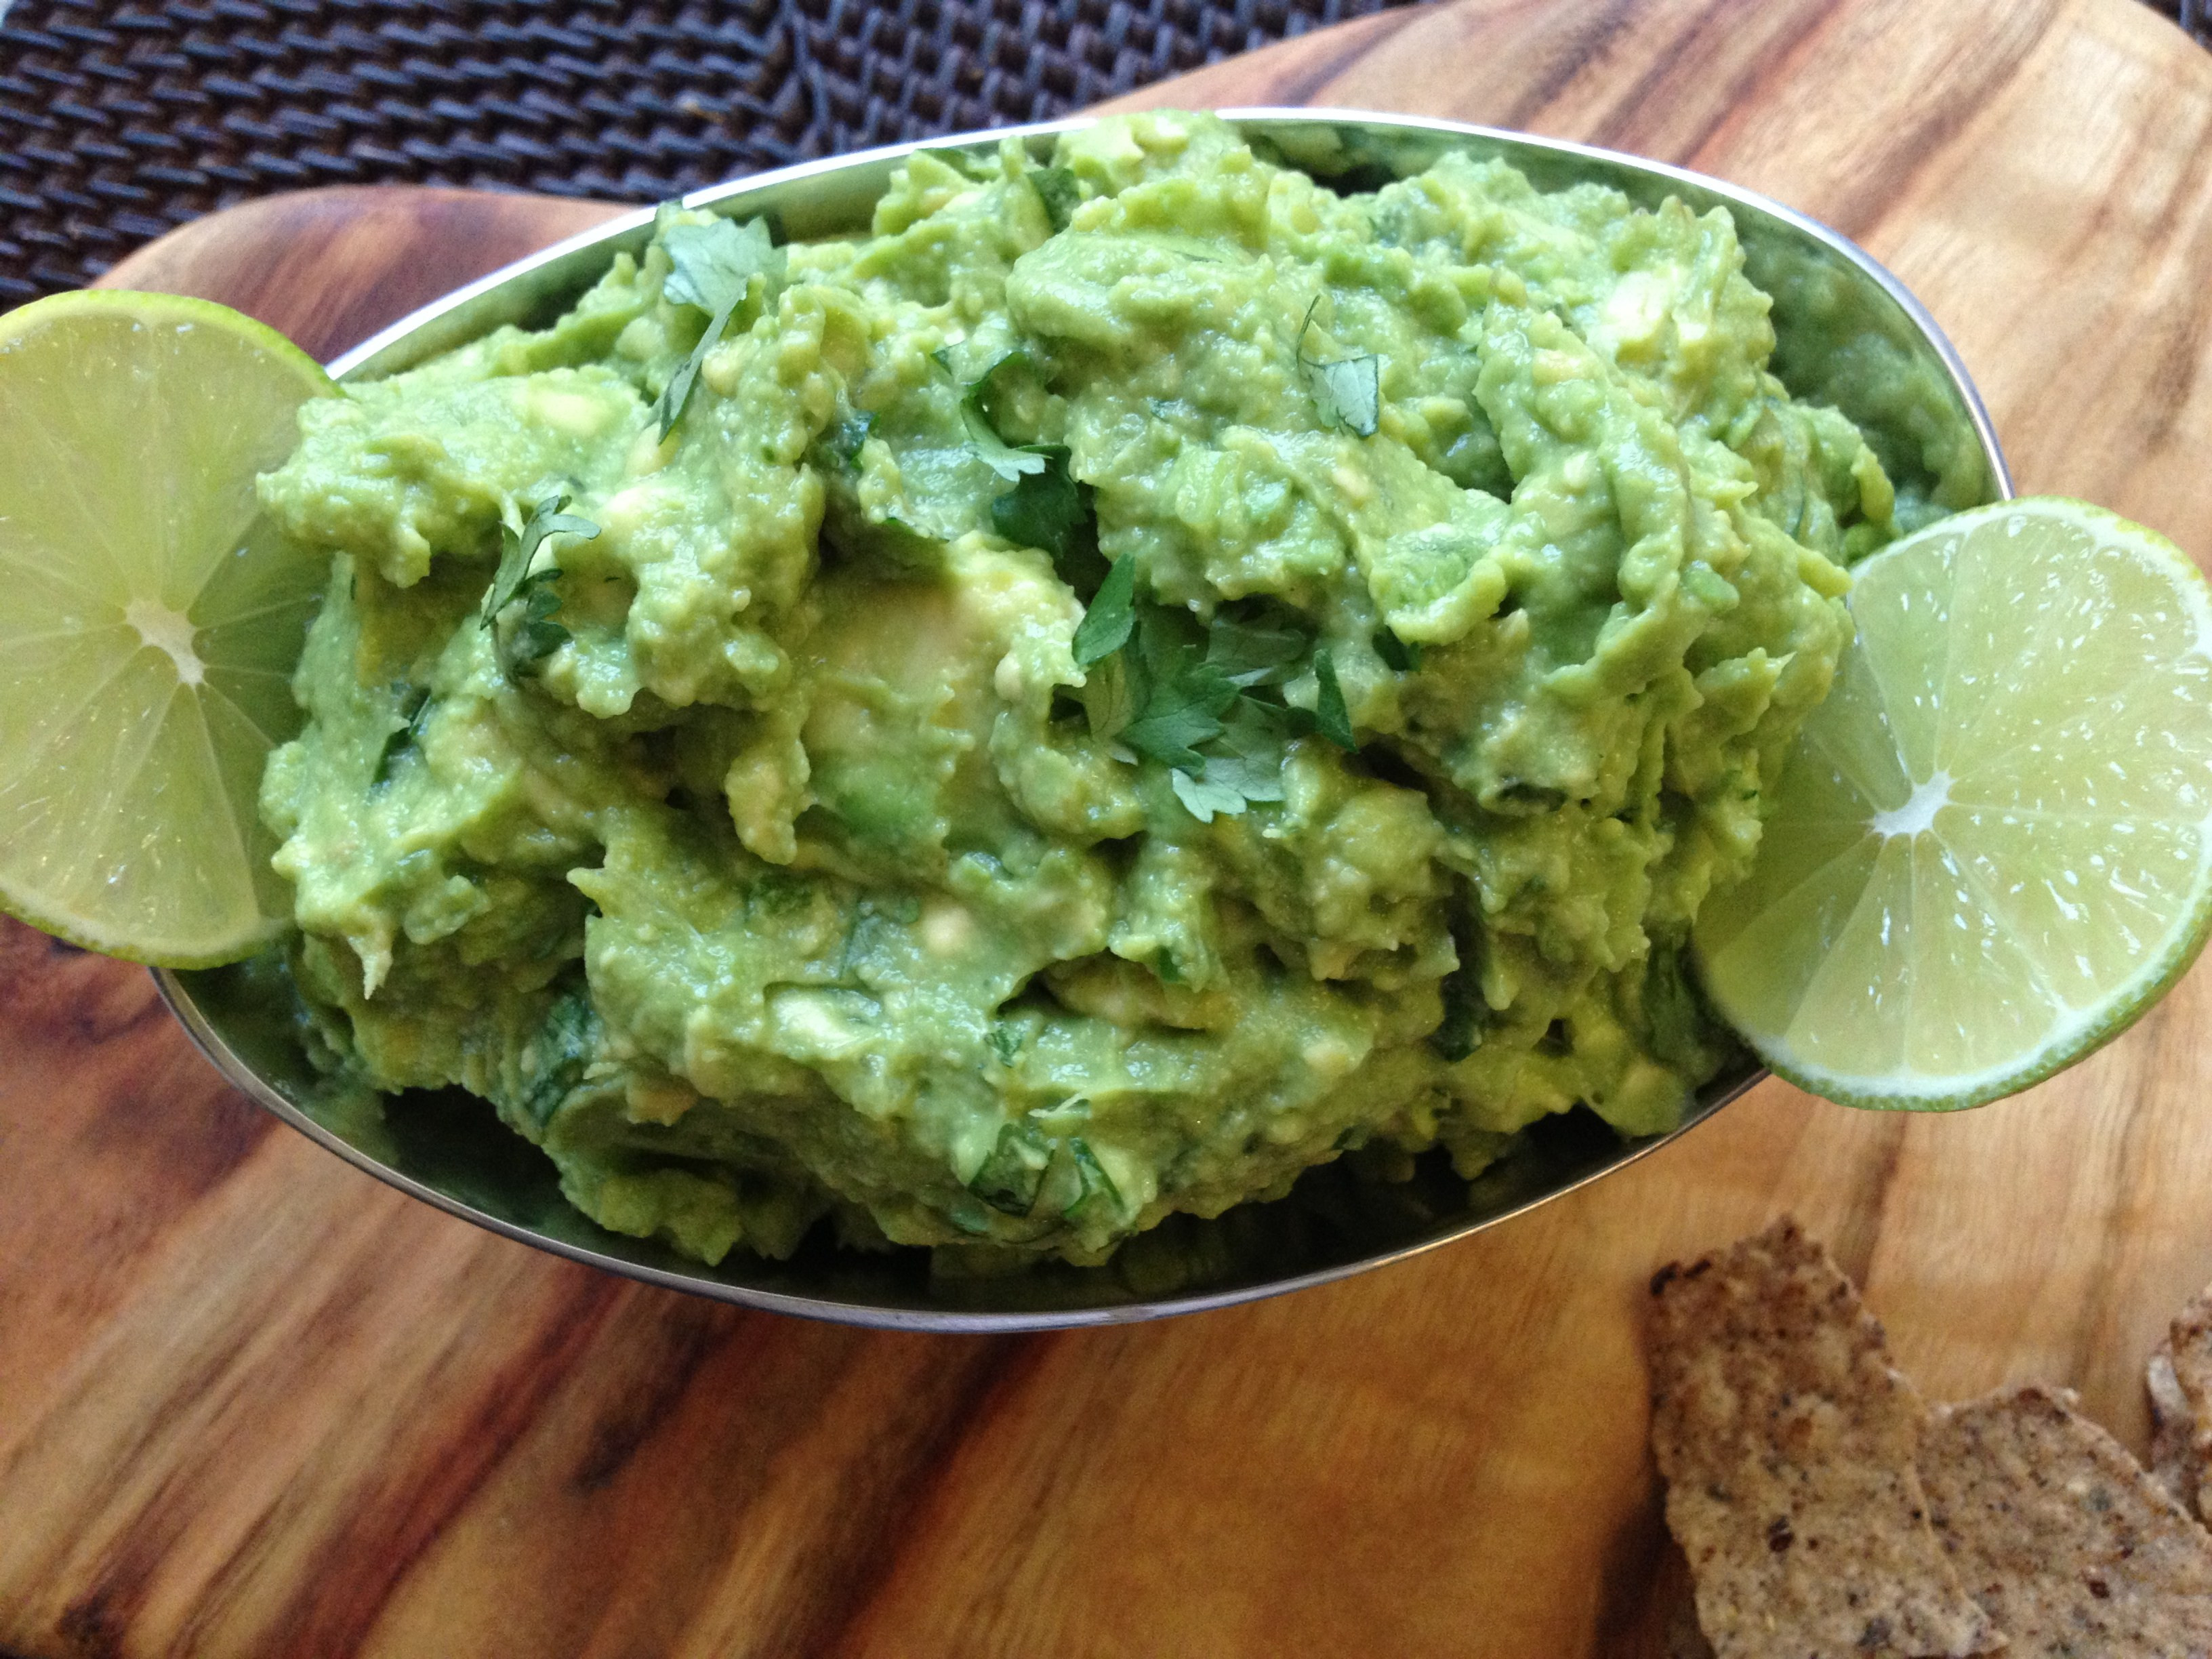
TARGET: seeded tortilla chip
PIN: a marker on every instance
(1684, 1639)
(2189, 1347)
(2060, 1536)
(1787, 1442)
(2173, 1461)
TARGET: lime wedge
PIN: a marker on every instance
(148, 620)
(1991, 848)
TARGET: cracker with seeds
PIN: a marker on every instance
(1787, 1442)
(2060, 1535)
(2173, 1461)
(2189, 1351)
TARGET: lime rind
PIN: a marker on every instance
(2064, 876)
(146, 609)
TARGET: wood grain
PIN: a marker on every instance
(253, 1403)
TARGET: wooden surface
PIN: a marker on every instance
(253, 1403)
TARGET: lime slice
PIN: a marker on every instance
(148, 620)
(1991, 849)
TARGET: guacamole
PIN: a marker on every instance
(1138, 677)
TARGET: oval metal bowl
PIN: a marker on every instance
(1833, 305)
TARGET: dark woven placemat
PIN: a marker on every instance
(119, 121)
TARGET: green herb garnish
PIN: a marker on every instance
(1330, 718)
(846, 438)
(1094, 1187)
(1010, 461)
(1347, 390)
(1056, 188)
(534, 636)
(561, 1050)
(1251, 653)
(414, 704)
(1183, 711)
(1397, 654)
(1009, 1178)
(711, 267)
(1050, 509)
(1112, 617)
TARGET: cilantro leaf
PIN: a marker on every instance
(1005, 1040)
(1465, 1012)
(413, 704)
(1346, 391)
(1056, 188)
(1183, 711)
(1330, 718)
(1050, 509)
(1247, 653)
(1203, 795)
(1244, 765)
(1253, 739)
(1094, 1187)
(1107, 625)
(1397, 654)
(845, 439)
(711, 267)
(517, 551)
(534, 636)
(1110, 698)
(562, 1048)
(1009, 1178)
(668, 408)
(995, 453)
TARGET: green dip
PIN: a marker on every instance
(1456, 574)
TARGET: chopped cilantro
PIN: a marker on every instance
(1347, 390)
(1109, 701)
(1397, 654)
(413, 704)
(711, 267)
(1330, 719)
(555, 1062)
(1094, 1187)
(1465, 1011)
(534, 636)
(1050, 509)
(1249, 653)
(1008, 461)
(1056, 188)
(845, 439)
(1107, 625)
(1183, 711)
(1203, 795)
(1005, 1040)
(1009, 1178)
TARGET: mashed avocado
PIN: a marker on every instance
(1139, 677)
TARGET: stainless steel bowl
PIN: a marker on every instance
(449, 1151)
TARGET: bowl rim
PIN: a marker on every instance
(242, 1074)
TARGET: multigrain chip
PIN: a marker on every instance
(2174, 1459)
(1684, 1639)
(2067, 1544)
(1787, 1443)
(2189, 1347)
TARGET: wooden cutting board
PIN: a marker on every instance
(251, 1402)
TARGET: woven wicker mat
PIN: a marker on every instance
(119, 121)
